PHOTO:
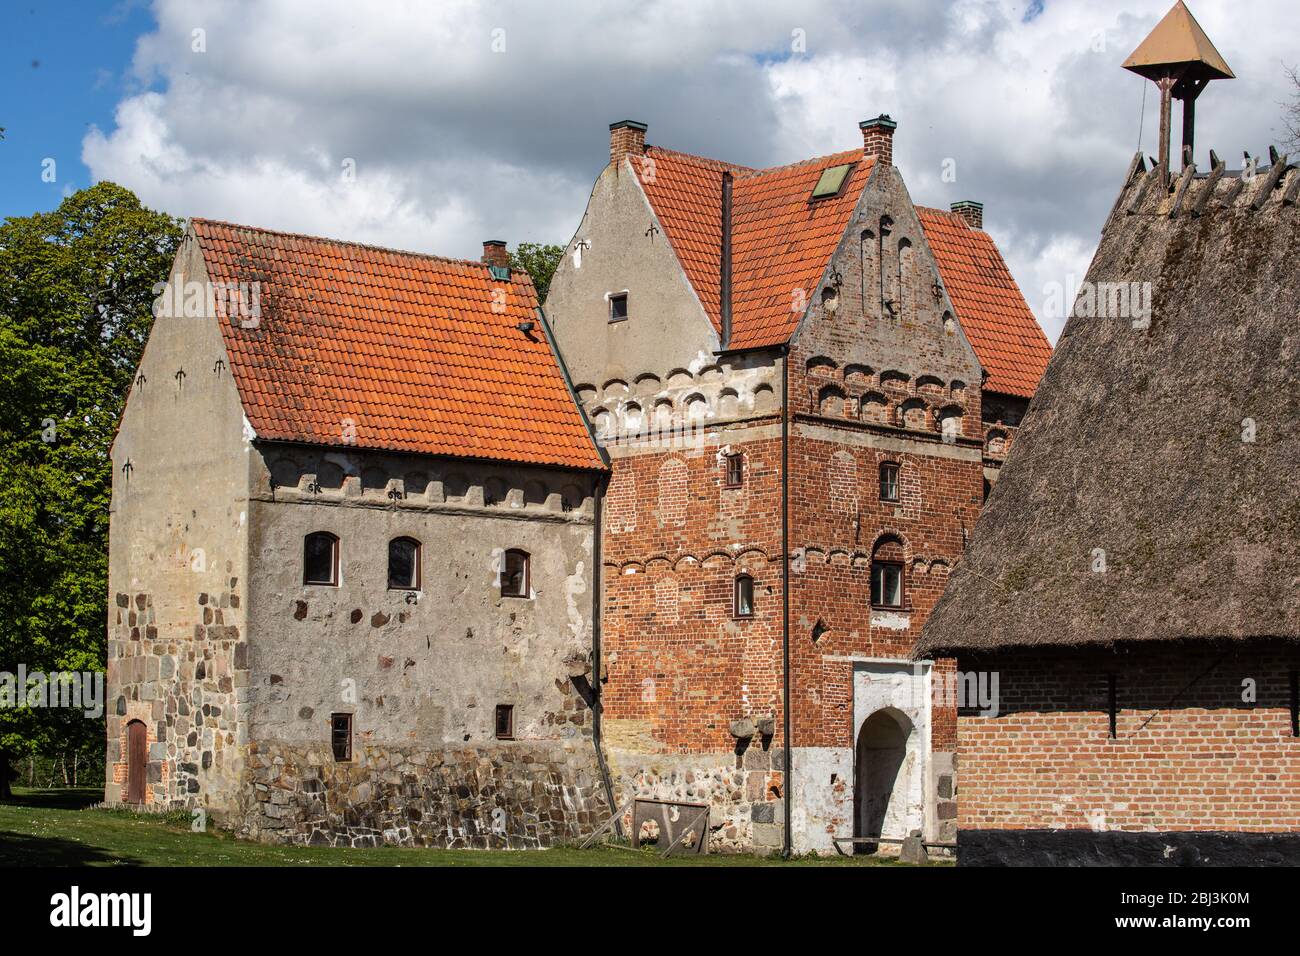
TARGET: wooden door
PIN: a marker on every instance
(137, 761)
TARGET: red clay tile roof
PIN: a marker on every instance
(990, 307)
(782, 241)
(685, 192)
(406, 346)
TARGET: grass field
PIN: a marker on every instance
(59, 828)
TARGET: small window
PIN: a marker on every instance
(831, 181)
(505, 721)
(515, 574)
(341, 736)
(744, 596)
(735, 470)
(320, 559)
(404, 564)
(889, 481)
(886, 584)
(618, 307)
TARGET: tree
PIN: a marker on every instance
(1291, 110)
(76, 291)
(539, 261)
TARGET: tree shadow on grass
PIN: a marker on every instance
(23, 849)
(67, 798)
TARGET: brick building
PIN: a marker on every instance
(791, 367)
(352, 552)
(1133, 580)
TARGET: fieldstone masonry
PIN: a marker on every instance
(513, 796)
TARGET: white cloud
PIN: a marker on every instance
(454, 142)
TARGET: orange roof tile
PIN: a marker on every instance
(782, 241)
(412, 350)
(685, 192)
(992, 311)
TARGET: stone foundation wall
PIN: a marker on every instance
(512, 796)
(742, 790)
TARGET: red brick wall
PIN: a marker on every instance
(675, 538)
(1189, 754)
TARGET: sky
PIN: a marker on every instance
(432, 125)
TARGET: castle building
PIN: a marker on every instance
(1133, 580)
(805, 384)
(352, 552)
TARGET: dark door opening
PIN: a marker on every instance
(881, 750)
(137, 761)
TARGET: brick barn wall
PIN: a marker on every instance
(1190, 754)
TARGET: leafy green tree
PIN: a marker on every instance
(76, 291)
(539, 261)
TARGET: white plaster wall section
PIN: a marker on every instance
(904, 687)
(575, 587)
(823, 798)
(701, 394)
(891, 620)
(614, 250)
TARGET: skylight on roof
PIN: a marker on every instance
(831, 181)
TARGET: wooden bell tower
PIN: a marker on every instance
(1180, 59)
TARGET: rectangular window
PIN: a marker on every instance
(735, 470)
(404, 564)
(889, 481)
(505, 722)
(341, 736)
(618, 307)
(515, 574)
(886, 584)
(320, 559)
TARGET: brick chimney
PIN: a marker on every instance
(878, 138)
(971, 211)
(626, 138)
(494, 252)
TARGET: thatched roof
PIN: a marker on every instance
(1133, 449)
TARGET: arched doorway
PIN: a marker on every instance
(137, 761)
(882, 772)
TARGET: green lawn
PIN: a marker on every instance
(58, 828)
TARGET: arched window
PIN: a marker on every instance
(515, 574)
(404, 564)
(743, 598)
(887, 581)
(889, 481)
(320, 559)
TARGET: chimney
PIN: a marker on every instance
(878, 138)
(626, 138)
(971, 211)
(494, 253)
